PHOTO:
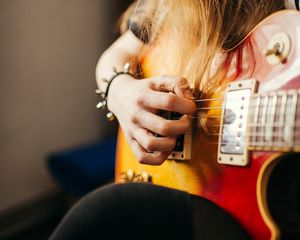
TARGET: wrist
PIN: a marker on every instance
(103, 104)
(115, 96)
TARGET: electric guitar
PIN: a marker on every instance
(248, 162)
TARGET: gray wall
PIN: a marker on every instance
(48, 52)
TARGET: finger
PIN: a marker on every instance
(162, 126)
(144, 157)
(151, 143)
(168, 101)
(177, 85)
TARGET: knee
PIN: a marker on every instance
(93, 214)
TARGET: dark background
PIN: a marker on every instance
(48, 53)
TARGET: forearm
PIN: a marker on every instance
(123, 50)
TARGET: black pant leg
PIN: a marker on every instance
(146, 211)
(129, 211)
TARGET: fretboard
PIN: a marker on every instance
(274, 121)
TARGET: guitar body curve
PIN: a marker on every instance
(241, 191)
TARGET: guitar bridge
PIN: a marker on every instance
(232, 148)
(183, 148)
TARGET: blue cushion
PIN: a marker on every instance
(84, 168)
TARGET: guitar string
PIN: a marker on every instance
(262, 145)
(231, 99)
(251, 106)
(210, 108)
(268, 145)
(205, 117)
(220, 116)
(209, 99)
(261, 138)
(261, 132)
(263, 126)
(255, 132)
(251, 103)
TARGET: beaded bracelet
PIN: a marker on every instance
(103, 103)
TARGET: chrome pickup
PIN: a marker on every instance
(232, 148)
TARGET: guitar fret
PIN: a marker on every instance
(259, 117)
(297, 125)
(263, 118)
(276, 124)
(282, 116)
(271, 119)
(290, 119)
(254, 119)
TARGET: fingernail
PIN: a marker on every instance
(188, 94)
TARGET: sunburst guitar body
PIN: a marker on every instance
(247, 162)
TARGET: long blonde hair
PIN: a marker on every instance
(194, 31)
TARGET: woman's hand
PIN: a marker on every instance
(135, 104)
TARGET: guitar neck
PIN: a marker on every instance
(274, 121)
